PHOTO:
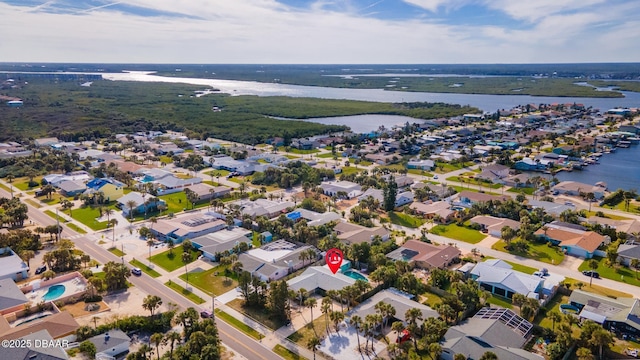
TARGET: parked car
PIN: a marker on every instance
(136, 271)
(205, 314)
(591, 273)
(40, 269)
(403, 336)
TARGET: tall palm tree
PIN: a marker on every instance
(325, 308)
(171, 338)
(554, 316)
(156, 340)
(131, 204)
(356, 322)
(311, 303)
(313, 344)
(108, 212)
(186, 258)
(593, 265)
(113, 223)
(150, 243)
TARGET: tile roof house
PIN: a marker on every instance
(425, 255)
(494, 224)
(621, 315)
(58, 325)
(573, 241)
(431, 210)
(320, 278)
(498, 330)
(355, 234)
(498, 278)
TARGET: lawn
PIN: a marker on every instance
(537, 251)
(239, 324)
(522, 268)
(542, 318)
(420, 172)
(302, 336)
(286, 353)
(595, 288)
(459, 188)
(618, 273)
(184, 292)
(443, 167)
(462, 233)
(432, 299)
(166, 159)
(327, 155)
(608, 216)
(403, 219)
(469, 181)
(348, 170)
(634, 207)
(23, 183)
(262, 316)
(54, 198)
(221, 173)
(525, 190)
(88, 216)
(212, 281)
(500, 301)
(171, 260)
(117, 252)
(299, 151)
(145, 268)
(56, 217)
(176, 202)
(33, 203)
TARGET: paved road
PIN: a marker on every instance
(234, 339)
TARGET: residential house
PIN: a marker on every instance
(573, 241)
(110, 344)
(12, 299)
(500, 331)
(427, 165)
(497, 277)
(141, 203)
(12, 266)
(59, 325)
(221, 241)
(628, 251)
(468, 198)
(45, 141)
(208, 192)
(621, 315)
(337, 188)
(493, 225)
(78, 176)
(401, 181)
(71, 188)
(264, 207)
(111, 188)
(494, 173)
(401, 302)
(151, 175)
(34, 348)
(319, 279)
(275, 260)
(186, 227)
(350, 233)
(528, 164)
(425, 255)
(439, 210)
(223, 162)
(172, 184)
(574, 188)
(549, 207)
(403, 198)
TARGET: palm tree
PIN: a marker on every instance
(131, 204)
(186, 258)
(153, 220)
(489, 356)
(593, 265)
(310, 303)
(356, 322)
(171, 338)
(336, 317)
(601, 338)
(325, 308)
(313, 344)
(150, 243)
(108, 212)
(584, 354)
(554, 316)
(113, 223)
(27, 255)
(635, 263)
(156, 340)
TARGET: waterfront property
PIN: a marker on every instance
(575, 188)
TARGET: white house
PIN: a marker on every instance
(332, 188)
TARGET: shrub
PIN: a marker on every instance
(88, 348)
(92, 298)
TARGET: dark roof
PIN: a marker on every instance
(10, 294)
(109, 340)
(35, 352)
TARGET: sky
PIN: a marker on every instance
(320, 31)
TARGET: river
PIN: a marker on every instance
(620, 170)
(489, 103)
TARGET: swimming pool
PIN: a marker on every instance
(54, 292)
(355, 275)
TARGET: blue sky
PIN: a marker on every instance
(320, 31)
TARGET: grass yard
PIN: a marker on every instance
(184, 292)
(432, 299)
(55, 198)
(171, 260)
(166, 159)
(23, 183)
(459, 188)
(88, 216)
(348, 170)
(619, 273)
(298, 151)
(537, 251)
(212, 281)
(526, 190)
(33, 203)
(608, 216)
(145, 268)
(54, 216)
(420, 172)
(596, 289)
(466, 181)
(327, 155)
(5, 187)
(239, 324)
(462, 233)
(403, 219)
(443, 167)
(117, 252)
(262, 316)
(287, 354)
(500, 301)
(634, 207)
(522, 268)
(221, 173)
(317, 328)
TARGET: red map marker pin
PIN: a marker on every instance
(334, 259)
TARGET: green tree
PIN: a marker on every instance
(278, 296)
(88, 348)
(115, 275)
(584, 354)
(156, 339)
(601, 338)
(312, 344)
(356, 322)
(489, 356)
(186, 258)
(151, 303)
(593, 265)
(390, 192)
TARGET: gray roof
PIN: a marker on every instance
(629, 250)
(320, 277)
(104, 342)
(474, 348)
(10, 294)
(399, 302)
(173, 182)
(35, 352)
(135, 196)
(512, 280)
(70, 186)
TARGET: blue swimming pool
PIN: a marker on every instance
(355, 275)
(54, 292)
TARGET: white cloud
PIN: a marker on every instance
(264, 31)
(435, 5)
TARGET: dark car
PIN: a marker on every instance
(591, 273)
(205, 314)
(136, 271)
(40, 269)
